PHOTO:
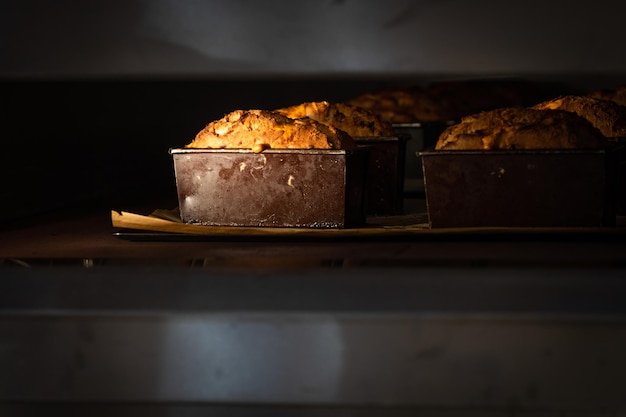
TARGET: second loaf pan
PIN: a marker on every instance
(520, 188)
(384, 194)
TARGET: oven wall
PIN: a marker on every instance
(416, 38)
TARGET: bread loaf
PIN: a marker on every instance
(403, 105)
(263, 129)
(617, 94)
(607, 116)
(521, 128)
(355, 121)
(443, 101)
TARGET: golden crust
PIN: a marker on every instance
(607, 116)
(355, 121)
(521, 128)
(263, 129)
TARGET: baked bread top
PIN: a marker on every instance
(521, 128)
(443, 101)
(403, 105)
(355, 121)
(617, 94)
(607, 116)
(263, 129)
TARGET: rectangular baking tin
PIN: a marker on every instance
(423, 135)
(385, 174)
(277, 187)
(569, 188)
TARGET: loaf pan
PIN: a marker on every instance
(277, 187)
(423, 135)
(385, 174)
(522, 188)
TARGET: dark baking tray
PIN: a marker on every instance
(315, 188)
(385, 174)
(615, 234)
(521, 188)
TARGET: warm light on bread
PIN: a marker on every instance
(355, 121)
(607, 116)
(521, 128)
(263, 129)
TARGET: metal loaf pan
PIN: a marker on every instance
(277, 187)
(521, 188)
(423, 135)
(385, 174)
